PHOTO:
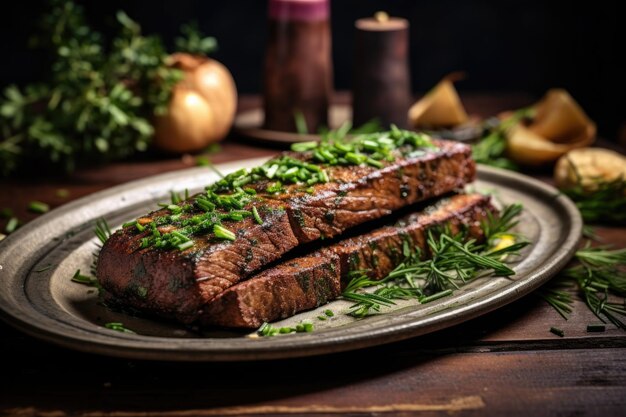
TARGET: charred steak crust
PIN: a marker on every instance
(178, 283)
(310, 281)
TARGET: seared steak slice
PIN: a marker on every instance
(313, 280)
(297, 285)
(178, 283)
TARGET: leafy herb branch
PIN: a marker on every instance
(491, 148)
(100, 98)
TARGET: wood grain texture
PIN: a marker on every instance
(555, 382)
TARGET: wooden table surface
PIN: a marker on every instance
(504, 363)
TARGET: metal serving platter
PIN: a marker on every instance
(38, 296)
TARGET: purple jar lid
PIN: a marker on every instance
(303, 10)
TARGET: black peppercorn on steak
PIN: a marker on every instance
(312, 280)
(174, 261)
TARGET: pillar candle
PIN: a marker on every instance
(298, 66)
(381, 81)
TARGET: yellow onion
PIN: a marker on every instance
(440, 107)
(202, 106)
(558, 125)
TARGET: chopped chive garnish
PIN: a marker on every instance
(38, 207)
(227, 199)
(84, 279)
(304, 146)
(300, 121)
(118, 327)
(596, 328)
(174, 208)
(557, 331)
(256, 215)
(329, 313)
(223, 233)
(185, 245)
(12, 224)
(203, 161)
(321, 318)
(267, 329)
(374, 163)
(62, 193)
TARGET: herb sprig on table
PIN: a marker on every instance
(98, 103)
(599, 278)
(453, 261)
(606, 203)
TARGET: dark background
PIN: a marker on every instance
(529, 45)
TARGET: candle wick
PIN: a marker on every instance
(381, 17)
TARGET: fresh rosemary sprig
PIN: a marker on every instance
(600, 275)
(606, 203)
(558, 295)
(453, 261)
(370, 149)
(497, 225)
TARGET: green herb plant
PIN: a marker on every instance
(100, 98)
(606, 203)
(491, 148)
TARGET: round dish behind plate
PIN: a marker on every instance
(250, 124)
(38, 261)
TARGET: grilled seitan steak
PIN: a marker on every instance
(179, 283)
(309, 281)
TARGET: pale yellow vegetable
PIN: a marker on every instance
(587, 166)
(202, 107)
(440, 107)
(528, 148)
(558, 118)
(558, 126)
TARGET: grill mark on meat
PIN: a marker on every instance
(301, 284)
(290, 219)
(245, 305)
